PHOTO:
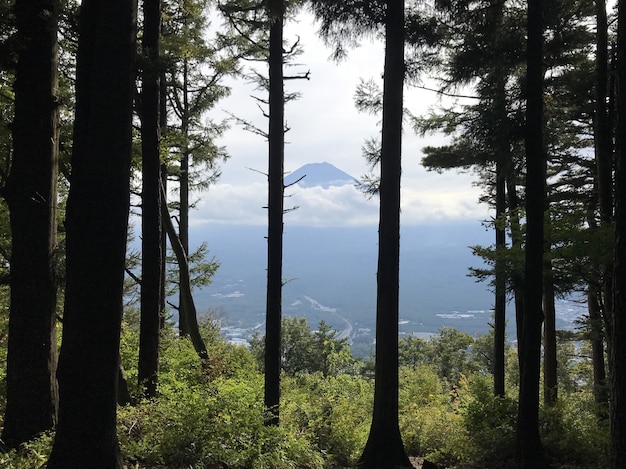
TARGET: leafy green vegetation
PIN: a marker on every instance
(204, 417)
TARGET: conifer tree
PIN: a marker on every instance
(97, 225)
(31, 194)
(151, 224)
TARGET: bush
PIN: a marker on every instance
(573, 434)
(429, 420)
(490, 421)
(334, 412)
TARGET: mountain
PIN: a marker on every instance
(323, 175)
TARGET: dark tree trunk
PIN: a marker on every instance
(550, 376)
(600, 389)
(499, 314)
(384, 447)
(97, 226)
(151, 239)
(503, 155)
(603, 135)
(529, 447)
(275, 212)
(163, 129)
(183, 179)
(617, 351)
(31, 194)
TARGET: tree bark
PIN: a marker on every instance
(529, 448)
(97, 226)
(31, 193)
(617, 351)
(384, 447)
(275, 206)
(151, 239)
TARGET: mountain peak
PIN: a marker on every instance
(324, 175)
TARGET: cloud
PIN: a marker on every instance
(424, 200)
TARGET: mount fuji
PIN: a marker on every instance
(323, 175)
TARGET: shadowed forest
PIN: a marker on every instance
(106, 114)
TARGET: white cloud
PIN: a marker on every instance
(423, 201)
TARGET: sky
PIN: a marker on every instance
(326, 127)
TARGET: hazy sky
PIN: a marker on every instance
(326, 127)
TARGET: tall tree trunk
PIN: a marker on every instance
(500, 284)
(276, 139)
(529, 447)
(516, 241)
(600, 389)
(603, 137)
(31, 194)
(151, 239)
(550, 375)
(502, 155)
(384, 447)
(617, 351)
(163, 132)
(183, 179)
(97, 226)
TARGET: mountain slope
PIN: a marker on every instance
(323, 175)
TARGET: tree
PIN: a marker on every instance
(618, 324)
(151, 224)
(529, 447)
(384, 447)
(31, 194)
(275, 206)
(193, 69)
(96, 224)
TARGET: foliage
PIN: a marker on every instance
(333, 412)
(308, 351)
(204, 417)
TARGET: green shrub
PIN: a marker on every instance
(490, 422)
(334, 412)
(429, 420)
(31, 455)
(573, 434)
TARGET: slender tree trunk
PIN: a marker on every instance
(275, 212)
(183, 179)
(502, 150)
(384, 447)
(617, 351)
(31, 194)
(500, 281)
(516, 241)
(603, 136)
(550, 375)
(600, 389)
(97, 226)
(187, 308)
(151, 239)
(529, 447)
(163, 131)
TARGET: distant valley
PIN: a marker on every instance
(330, 275)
